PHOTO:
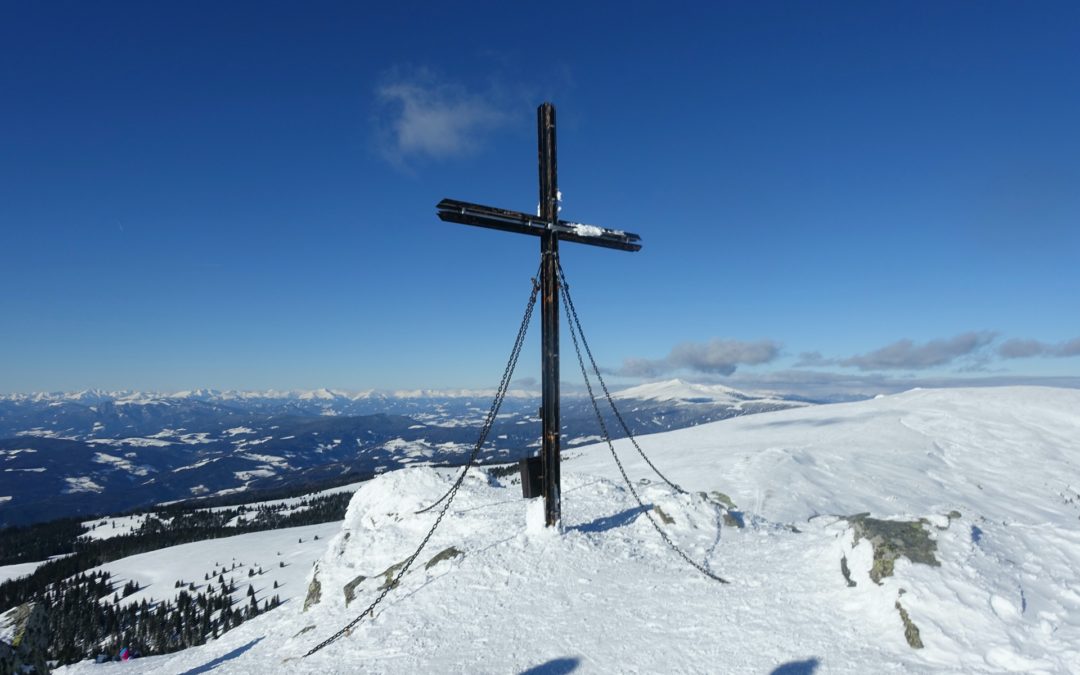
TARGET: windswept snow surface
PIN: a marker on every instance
(605, 595)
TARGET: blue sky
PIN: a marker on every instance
(832, 196)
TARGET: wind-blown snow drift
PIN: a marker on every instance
(605, 595)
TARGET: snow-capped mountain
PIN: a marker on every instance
(931, 531)
(323, 394)
(680, 391)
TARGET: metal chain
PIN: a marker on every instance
(611, 401)
(607, 437)
(496, 404)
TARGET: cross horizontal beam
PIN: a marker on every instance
(454, 211)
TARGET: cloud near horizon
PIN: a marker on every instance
(421, 117)
(827, 385)
(716, 357)
(906, 355)
(1019, 349)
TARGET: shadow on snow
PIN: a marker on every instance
(554, 667)
(606, 523)
(207, 667)
(806, 667)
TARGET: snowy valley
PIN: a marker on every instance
(95, 452)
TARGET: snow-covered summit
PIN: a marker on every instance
(322, 395)
(681, 391)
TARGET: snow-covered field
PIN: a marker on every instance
(17, 570)
(993, 472)
(284, 556)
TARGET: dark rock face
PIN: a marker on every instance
(23, 640)
(892, 539)
(911, 631)
(314, 591)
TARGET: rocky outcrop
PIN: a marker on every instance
(892, 539)
(314, 591)
(350, 589)
(446, 554)
(911, 631)
(24, 637)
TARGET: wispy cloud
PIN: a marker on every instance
(813, 359)
(422, 117)
(717, 357)
(907, 355)
(831, 386)
(1019, 349)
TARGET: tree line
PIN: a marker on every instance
(85, 622)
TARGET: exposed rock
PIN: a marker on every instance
(350, 589)
(445, 554)
(911, 631)
(314, 591)
(732, 516)
(846, 572)
(718, 497)
(305, 629)
(24, 637)
(664, 518)
(388, 576)
(892, 539)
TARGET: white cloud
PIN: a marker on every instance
(423, 118)
(719, 357)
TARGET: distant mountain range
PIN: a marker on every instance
(95, 451)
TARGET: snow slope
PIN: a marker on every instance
(606, 595)
(284, 556)
(1007, 452)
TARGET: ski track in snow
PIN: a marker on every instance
(607, 596)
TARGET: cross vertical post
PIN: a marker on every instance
(546, 225)
(549, 313)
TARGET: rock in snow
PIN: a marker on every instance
(932, 531)
(23, 639)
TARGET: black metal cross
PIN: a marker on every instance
(550, 229)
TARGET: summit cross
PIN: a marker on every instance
(551, 230)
